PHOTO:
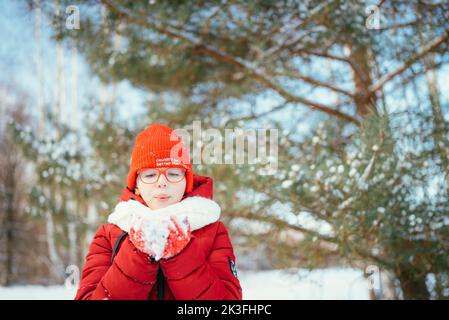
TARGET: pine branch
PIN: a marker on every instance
(200, 48)
(364, 254)
(247, 214)
(261, 78)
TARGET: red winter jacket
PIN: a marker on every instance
(204, 269)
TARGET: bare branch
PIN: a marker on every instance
(398, 26)
(315, 82)
(431, 46)
(260, 115)
(325, 55)
(416, 74)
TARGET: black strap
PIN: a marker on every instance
(160, 274)
(160, 284)
(117, 244)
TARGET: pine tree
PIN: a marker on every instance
(214, 61)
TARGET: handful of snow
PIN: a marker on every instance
(161, 237)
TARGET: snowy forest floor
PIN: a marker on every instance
(333, 283)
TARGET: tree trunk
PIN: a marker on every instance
(72, 232)
(413, 285)
(9, 163)
(73, 247)
(429, 63)
(9, 223)
(440, 133)
(57, 265)
(59, 108)
(39, 66)
(74, 87)
(365, 101)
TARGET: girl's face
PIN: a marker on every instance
(161, 193)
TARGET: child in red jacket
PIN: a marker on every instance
(163, 239)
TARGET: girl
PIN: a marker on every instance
(163, 240)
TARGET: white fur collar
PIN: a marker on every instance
(200, 212)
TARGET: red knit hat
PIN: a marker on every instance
(159, 146)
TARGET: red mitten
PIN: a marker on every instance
(178, 237)
(138, 239)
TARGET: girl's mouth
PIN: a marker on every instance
(163, 197)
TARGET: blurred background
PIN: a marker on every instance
(358, 91)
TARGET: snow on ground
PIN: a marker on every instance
(304, 284)
(36, 293)
(257, 285)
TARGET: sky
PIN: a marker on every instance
(19, 72)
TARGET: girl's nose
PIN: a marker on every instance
(162, 181)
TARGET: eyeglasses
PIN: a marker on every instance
(171, 174)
